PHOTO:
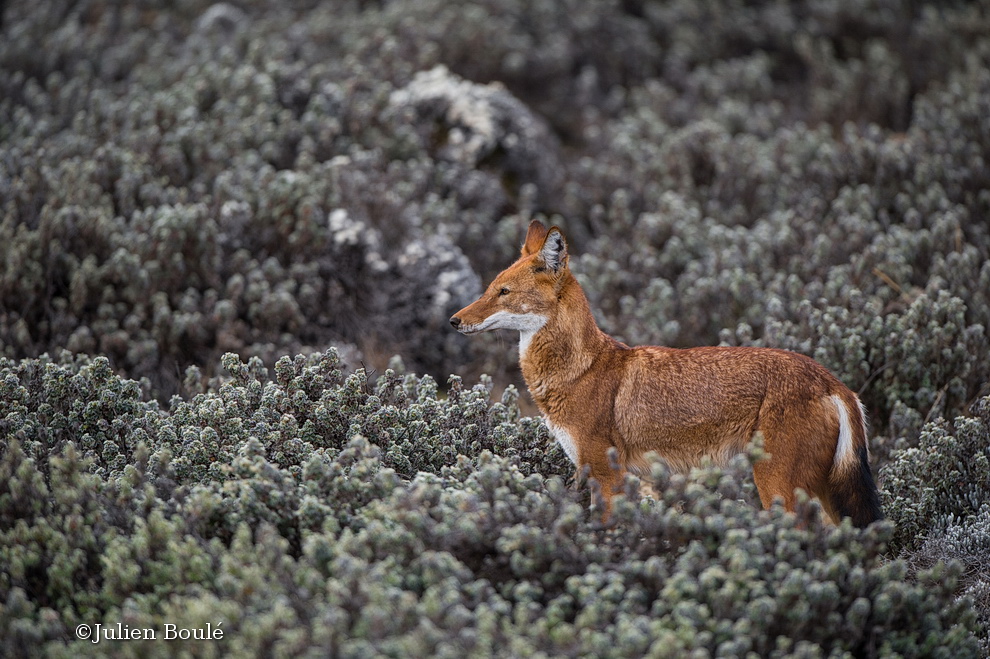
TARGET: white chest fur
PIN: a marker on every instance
(564, 439)
(529, 325)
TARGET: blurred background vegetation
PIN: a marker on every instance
(184, 180)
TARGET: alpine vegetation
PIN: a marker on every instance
(310, 510)
(231, 238)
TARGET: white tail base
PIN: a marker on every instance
(845, 453)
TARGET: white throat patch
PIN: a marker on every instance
(525, 338)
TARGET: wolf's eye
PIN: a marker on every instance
(503, 291)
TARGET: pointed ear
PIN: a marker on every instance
(554, 250)
(534, 238)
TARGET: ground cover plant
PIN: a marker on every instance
(191, 195)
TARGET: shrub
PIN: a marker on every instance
(305, 541)
(942, 483)
(179, 183)
(182, 182)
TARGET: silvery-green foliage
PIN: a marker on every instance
(260, 504)
(185, 181)
(938, 495)
(181, 183)
(942, 482)
(967, 540)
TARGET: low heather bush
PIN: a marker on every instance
(943, 482)
(186, 181)
(180, 183)
(261, 508)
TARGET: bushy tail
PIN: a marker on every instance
(853, 493)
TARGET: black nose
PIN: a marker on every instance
(455, 321)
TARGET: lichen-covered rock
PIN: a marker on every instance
(483, 128)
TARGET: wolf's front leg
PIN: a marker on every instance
(609, 480)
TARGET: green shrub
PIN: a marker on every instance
(179, 183)
(943, 482)
(319, 541)
(186, 181)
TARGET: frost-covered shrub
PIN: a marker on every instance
(312, 405)
(299, 540)
(200, 209)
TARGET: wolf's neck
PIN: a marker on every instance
(564, 347)
(526, 338)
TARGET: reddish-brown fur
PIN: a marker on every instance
(684, 405)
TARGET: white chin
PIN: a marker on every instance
(521, 322)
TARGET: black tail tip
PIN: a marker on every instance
(856, 495)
